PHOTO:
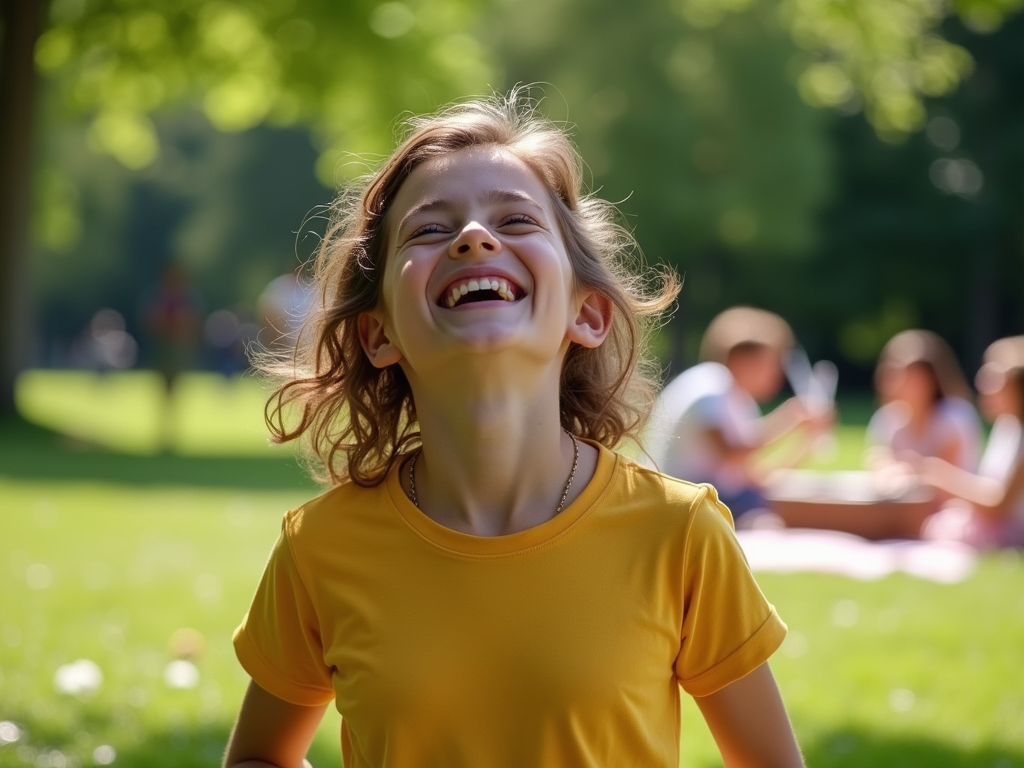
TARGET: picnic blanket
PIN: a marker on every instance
(794, 550)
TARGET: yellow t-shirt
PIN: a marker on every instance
(562, 645)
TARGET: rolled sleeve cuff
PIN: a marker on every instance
(744, 660)
(271, 680)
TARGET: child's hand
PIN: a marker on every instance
(822, 420)
(895, 478)
(928, 468)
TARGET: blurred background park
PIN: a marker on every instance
(856, 166)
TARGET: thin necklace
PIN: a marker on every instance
(565, 492)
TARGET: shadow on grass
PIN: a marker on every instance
(855, 749)
(184, 747)
(31, 452)
(198, 748)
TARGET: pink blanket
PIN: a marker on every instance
(802, 549)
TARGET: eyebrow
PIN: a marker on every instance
(492, 197)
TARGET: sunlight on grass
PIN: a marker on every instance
(113, 575)
(118, 599)
(207, 414)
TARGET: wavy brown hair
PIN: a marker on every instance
(357, 419)
(928, 350)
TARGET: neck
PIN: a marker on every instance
(920, 415)
(495, 459)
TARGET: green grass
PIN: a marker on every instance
(110, 573)
(207, 414)
(106, 554)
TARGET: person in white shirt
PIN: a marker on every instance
(707, 425)
(987, 509)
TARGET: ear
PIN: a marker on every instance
(593, 322)
(374, 338)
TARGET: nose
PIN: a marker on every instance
(474, 240)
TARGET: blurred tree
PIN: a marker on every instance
(345, 69)
(698, 131)
(886, 56)
(697, 114)
(232, 210)
(20, 23)
(691, 111)
(930, 233)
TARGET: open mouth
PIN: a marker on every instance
(480, 289)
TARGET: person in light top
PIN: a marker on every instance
(486, 581)
(926, 408)
(987, 509)
(707, 425)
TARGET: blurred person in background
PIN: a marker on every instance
(172, 318)
(925, 410)
(987, 509)
(228, 337)
(707, 425)
(282, 308)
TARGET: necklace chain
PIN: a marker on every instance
(565, 491)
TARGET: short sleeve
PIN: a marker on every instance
(278, 642)
(729, 628)
(707, 412)
(965, 428)
(881, 428)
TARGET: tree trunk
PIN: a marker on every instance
(22, 24)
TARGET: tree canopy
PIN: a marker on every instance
(347, 69)
(702, 117)
(344, 69)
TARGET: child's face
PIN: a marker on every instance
(759, 371)
(997, 394)
(913, 384)
(475, 263)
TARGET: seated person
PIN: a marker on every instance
(925, 409)
(707, 425)
(988, 507)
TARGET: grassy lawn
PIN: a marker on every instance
(111, 547)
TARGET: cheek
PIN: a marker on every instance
(1007, 399)
(405, 279)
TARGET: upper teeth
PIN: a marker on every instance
(481, 284)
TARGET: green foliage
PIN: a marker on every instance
(885, 55)
(346, 69)
(697, 130)
(925, 234)
(695, 114)
(885, 52)
(129, 80)
(234, 210)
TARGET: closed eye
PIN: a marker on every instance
(520, 218)
(427, 229)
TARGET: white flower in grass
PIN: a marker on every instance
(79, 678)
(181, 674)
(104, 754)
(9, 732)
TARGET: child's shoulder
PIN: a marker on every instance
(667, 497)
(341, 505)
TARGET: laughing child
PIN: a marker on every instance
(486, 582)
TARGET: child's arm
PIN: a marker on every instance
(790, 416)
(991, 498)
(271, 732)
(750, 724)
